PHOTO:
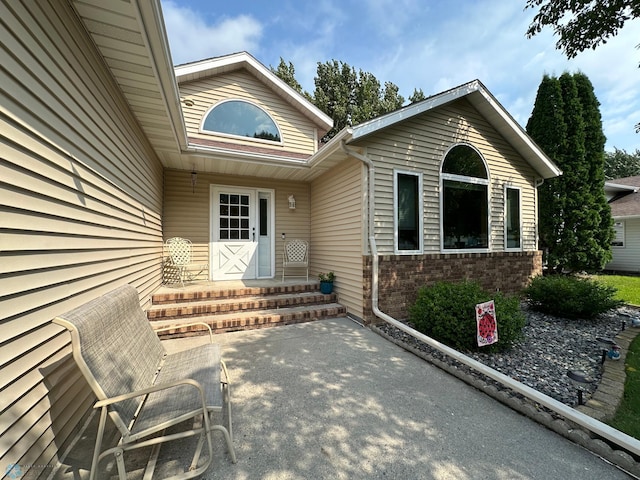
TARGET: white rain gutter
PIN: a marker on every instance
(617, 437)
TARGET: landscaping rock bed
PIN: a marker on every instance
(550, 348)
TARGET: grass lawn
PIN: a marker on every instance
(628, 287)
(627, 418)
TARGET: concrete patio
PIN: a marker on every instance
(333, 400)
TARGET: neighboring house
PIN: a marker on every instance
(101, 141)
(622, 195)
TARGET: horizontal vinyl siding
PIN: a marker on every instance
(297, 131)
(80, 213)
(187, 212)
(337, 231)
(627, 258)
(419, 145)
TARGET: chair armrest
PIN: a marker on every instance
(148, 390)
(163, 329)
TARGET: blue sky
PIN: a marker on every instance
(433, 45)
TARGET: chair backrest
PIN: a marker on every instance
(296, 251)
(115, 348)
(179, 250)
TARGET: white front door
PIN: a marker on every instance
(234, 239)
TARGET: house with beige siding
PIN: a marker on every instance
(107, 150)
(624, 200)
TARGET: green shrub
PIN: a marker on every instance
(446, 312)
(570, 297)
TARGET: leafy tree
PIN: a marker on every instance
(390, 98)
(348, 96)
(620, 164)
(335, 93)
(574, 219)
(417, 95)
(581, 24)
(351, 97)
(287, 72)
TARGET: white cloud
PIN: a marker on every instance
(191, 38)
(433, 46)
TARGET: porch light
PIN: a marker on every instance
(194, 180)
(189, 102)
(292, 202)
(579, 379)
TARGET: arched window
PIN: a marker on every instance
(241, 118)
(465, 200)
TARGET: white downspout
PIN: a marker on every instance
(617, 437)
(537, 182)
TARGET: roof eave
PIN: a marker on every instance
(484, 101)
(212, 66)
(617, 187)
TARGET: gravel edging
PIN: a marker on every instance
(550, 347)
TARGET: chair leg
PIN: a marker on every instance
(196, 456)
(122, 472)
(98, 446)
(232, 451)
(227, 394)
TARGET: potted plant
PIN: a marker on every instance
(326, 282)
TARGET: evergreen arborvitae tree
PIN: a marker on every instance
(574, 218)
(602, 222)
(546, 126)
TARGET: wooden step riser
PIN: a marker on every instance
(252, 322)
(237, 305)
(232, 293)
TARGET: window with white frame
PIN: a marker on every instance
(512, 218)
(618, 238)
(241, 119)
(407, 212)
(464, 200)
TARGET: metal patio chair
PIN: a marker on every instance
(296, 255)
(141, 387)
(179, 252)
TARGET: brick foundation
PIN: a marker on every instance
(401, 276)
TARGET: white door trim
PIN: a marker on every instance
(233, 258)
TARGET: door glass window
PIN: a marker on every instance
(263, 220)
(234, 217)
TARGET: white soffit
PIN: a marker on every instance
(131, 37)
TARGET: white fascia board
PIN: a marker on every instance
(331, 147)
(547, 163)
(155, 37)
(617, 187)
(625, 217)
(384, 121)
(474, 87)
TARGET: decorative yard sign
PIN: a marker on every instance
(486, 322)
